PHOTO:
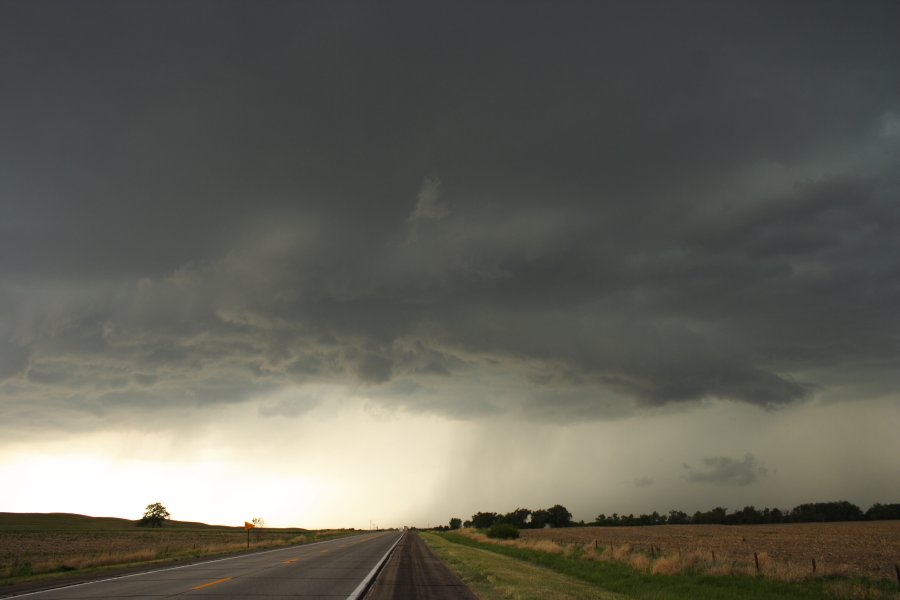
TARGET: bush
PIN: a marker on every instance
(503, 531)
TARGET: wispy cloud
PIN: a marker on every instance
(428, 204)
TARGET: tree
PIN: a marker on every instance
(826, 511)
(559, 516)
(483, 520)
(881, 512)
(154, 515)
(258, 524)
(518, 517)
(678, 517)
(455, 523)
(715, 516)
(539, 518)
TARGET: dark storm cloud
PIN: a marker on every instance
(722, 470)
(598, 207)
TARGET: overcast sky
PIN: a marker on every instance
(329, 263)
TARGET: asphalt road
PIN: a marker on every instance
(332, 569)
(414, 572)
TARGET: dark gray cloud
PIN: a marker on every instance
(14, 359)
(602, 207)
(722, 470)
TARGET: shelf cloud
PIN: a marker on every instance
(588, 216)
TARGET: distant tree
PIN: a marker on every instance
(258, 524)
(715, 516)
(678, 517)
(749, 515)
(883, 512)
(483, 520)
(771, 515)
(652, 519)
(826, 511)
(559, 516)
(154, 515)
(517, 518)
(467, 524)
(455, 523)
(746, 516)
(539, 518)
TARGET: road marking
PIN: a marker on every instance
(291, 560)
(323, 551)
(355, 594)
(212, 583)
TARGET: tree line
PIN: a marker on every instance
(521, 518)
(814, 512)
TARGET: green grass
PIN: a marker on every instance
(622, 579)
(493, 576)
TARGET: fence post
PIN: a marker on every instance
(756, 560)
(814, 565)
(713, 556)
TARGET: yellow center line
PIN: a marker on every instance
(323, 551)
(203, 585)
(291, 560)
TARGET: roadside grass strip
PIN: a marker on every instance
(492, 576)
(618, 580)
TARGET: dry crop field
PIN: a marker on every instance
(864, 548)
(36, 544)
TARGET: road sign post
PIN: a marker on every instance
(248, 527)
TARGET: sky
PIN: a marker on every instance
(354, 264)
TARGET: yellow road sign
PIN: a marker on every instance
(248, 526)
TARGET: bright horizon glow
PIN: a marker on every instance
(298, 474)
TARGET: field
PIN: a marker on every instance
(624, 571)
(866, 548)
(35, 544)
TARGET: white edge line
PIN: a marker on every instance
(355, 594)
(196, 564)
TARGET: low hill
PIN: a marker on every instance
(72, 522)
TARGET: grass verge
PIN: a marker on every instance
(630, 582)
(492, 576)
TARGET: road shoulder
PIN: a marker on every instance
(414, 572)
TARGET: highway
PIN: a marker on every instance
(332, 569)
